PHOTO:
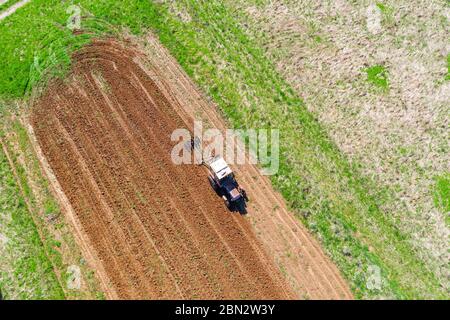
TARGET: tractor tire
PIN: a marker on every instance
(244, 194)
(240, 206)
(227, 203)
(213, 184)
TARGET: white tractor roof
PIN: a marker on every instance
(220, 167)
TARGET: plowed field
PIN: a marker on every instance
(150, 228)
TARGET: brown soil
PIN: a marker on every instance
(153, 229)
(297, 254)
(158, 229)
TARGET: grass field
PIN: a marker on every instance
(7, 4)
(378, 92)
(38, 250)
(26, 271)
(325, 191)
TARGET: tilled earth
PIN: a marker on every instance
(153, 229)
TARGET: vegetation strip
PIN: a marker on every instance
(27, 272)
(54, 243)
(10, 7)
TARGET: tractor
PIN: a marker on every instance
(223, 182)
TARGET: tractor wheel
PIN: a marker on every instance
(244, 194)
(240, 206)
(213, 184)
(227, 203)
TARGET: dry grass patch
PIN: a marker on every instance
(374, 74)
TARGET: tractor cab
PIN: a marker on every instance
(220, 169)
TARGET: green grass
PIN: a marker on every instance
(441, 194)
(56, 238)
(8, 4)
(29, 273)
(378, 76)
(387, 13)
(40, 48)
(318, 183)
